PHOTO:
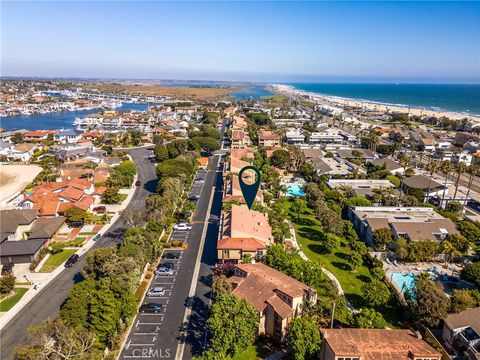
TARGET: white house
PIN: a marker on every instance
(21, 152)
(68, 136)
(294, 137)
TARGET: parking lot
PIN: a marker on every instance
(149, 330)
(147, 326)
(193, 195)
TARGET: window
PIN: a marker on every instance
(226, 254)
(348, 358)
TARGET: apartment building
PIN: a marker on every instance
(278, 298)
(268, 138)
(411, 223)
(375, 344)
(461, 333)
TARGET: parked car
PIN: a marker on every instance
(138, 183)
(168, 265)
(96, 237)
(71, 260)
(194, 198)
(162, 270)
(199, 181)
(171, 255)
(151, 308)
(156, 291)
(76, 224)
(182, 226)
(7, 268)
(100, 209)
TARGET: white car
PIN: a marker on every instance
(182, 226)
(156, 291)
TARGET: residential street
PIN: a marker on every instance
(47, 303)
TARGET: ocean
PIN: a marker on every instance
(458, 98)
(56, 120)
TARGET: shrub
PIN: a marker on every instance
(7, 282)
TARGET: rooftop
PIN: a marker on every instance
(470, 317)
(378, 344)
(258, 284)
(245, 223)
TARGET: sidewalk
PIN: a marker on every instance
(332, 277)
(5, 317)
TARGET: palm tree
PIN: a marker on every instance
(445, 167)
(460, 167)
(449, 250)
(432, 169)
(473, 170)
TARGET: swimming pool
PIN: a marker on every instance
(295, 190)
(404, 281)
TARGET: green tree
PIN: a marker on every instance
(358, 201)
(221, 286)
(233, 323)
(161, 153)
(111, 196)
(430, 304)
(470, 230)
(462, 300)
(308, 171)
(299, 206)
(382, 237)
(349, 233)
(331, 242)
(75, 214)
(304, 338)
(369, 319)
(354, 259)
(375, 293)
(331, 221)
(17, 138)
(104, 312)
(471, 273)
(281, 158)
(96, 262)
(7, 282)
(74, 311)
(207, 144)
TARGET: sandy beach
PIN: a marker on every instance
(369, 106)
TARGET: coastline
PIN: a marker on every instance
(368, 105)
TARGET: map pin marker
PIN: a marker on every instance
(249, 191)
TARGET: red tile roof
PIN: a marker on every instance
(244, 244)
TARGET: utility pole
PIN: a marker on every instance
(333, 314)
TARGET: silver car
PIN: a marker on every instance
(156, 291)
(164, 271)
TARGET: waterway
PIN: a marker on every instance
(56, 120)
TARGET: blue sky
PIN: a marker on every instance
(267, 41)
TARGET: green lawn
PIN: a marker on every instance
(122, 198)
(308, 231)
(253, 352)
(7, 304)
(55, 260)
